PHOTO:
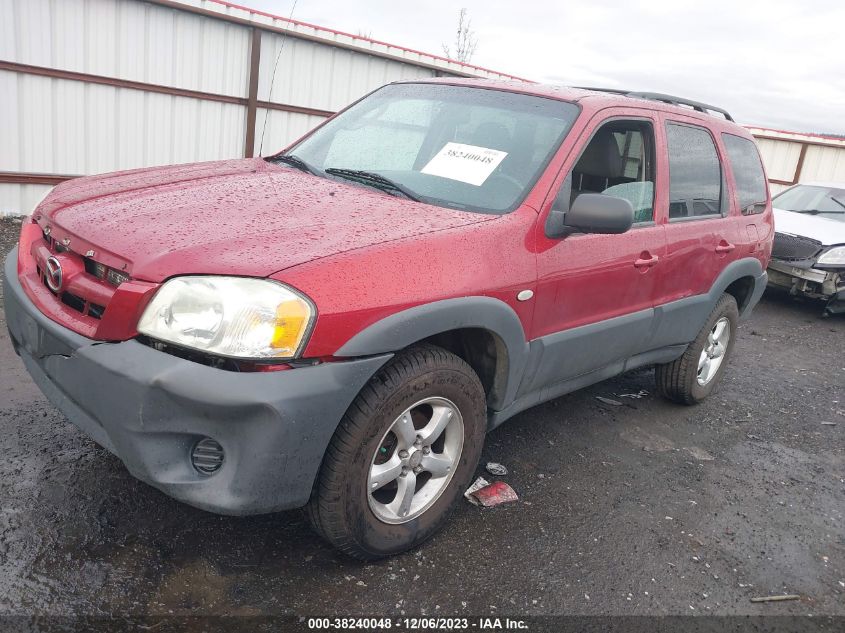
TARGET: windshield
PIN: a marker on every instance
(454, 146)
(828, 202)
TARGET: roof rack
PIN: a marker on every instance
(658, 96)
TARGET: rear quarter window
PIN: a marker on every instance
(748, 173)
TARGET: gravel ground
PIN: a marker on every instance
(646, 508)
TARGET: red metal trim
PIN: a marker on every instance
(177, 5)
(25, 178)
(813, 134)
(767, 137)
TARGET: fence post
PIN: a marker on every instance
(252, 97)
(800, 165)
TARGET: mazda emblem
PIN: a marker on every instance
(54, 274)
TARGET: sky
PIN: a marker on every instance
(775, 64)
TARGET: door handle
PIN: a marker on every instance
(646, 260)
(725, 247)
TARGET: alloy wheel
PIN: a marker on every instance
(714, 351)
(415, 460)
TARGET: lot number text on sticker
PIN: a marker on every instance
(467, 163)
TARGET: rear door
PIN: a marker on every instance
(701, 229)
(595, 293)
(751, 203)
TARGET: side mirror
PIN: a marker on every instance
(592, 213)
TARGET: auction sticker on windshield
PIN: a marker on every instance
(467, 163)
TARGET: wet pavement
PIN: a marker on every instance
(643, 508)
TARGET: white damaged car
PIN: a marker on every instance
(808, 255)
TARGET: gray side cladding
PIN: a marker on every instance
(409, 326)
(680, 321)
(657, 334)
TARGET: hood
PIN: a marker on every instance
(239, 217)
(816, 227)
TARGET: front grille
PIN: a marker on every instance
(75, 302)
(794, 248)
(81, 305)
(76, 297)
(105, 273)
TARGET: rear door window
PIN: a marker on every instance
(695, 173)
(751, 191)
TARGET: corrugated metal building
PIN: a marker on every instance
(792, 157)
(91, 86)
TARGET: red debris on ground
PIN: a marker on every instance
(496, 493)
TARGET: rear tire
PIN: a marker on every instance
(421, 390)
(693, 376)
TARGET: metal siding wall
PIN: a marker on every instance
(127, 39)
(69, 127)
(824, 157)
(779, 157)
(363, 45)
(15, 197)
(824, 163)
(323, 77)
(10, 149)
(65, 126)
(282, 129)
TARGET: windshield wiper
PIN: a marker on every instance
(373, 179)
(817, 211)
(838, 201)
(294, 161)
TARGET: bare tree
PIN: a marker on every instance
(465, 40)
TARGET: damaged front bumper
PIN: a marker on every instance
(150, 409)
(825, 285)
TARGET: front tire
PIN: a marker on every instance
(692, 377)
(402, 455)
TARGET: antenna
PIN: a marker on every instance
(273, 77)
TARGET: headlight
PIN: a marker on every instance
(833, 257)
(238, 317)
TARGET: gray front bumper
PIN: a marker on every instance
(810, 282)
(149, 408)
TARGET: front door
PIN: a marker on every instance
(595, 293)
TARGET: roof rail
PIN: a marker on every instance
(658, 96)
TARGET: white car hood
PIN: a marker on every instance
(824, 230)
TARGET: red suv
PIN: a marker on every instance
(338, 325)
